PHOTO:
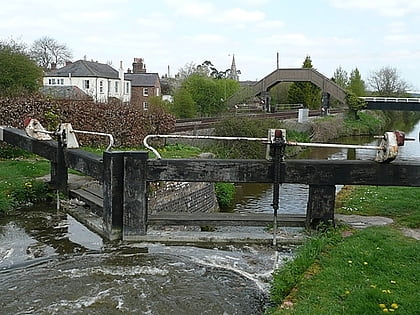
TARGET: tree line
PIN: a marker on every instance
(197, 90)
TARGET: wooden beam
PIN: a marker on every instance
(18, 138)
(85, 162)
(320, 209)
(225, 219)
(316, 172)
(135, 194)
(210, 170)
(113, 192)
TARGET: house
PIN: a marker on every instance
(99, 81)
(143, 85)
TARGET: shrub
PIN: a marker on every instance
(128, 124)
(225, 192)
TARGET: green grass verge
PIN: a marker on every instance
(398, 203)
(18, 184)
(373, 271)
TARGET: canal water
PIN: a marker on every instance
(293, 198)
(51, 264)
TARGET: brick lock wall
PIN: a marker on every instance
(183, 197)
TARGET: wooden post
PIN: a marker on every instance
(113, 190)
(320, 208)
(135, 195)
(59, 171)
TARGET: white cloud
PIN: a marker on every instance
(238, 15)
(191, 8)
(155, 22)
(206, 38)
(397, 27)
(98, 16)
(402, 38)
(270, 24)
(389, 8)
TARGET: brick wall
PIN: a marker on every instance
(137, 97)
(183, 197)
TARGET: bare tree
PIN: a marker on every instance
(387, 82)
(13, 45)
(47, 51)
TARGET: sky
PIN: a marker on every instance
(169, 34)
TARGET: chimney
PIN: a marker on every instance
(68, 62)
(53, 66)
(139, 66)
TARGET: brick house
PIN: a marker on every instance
(143, 85)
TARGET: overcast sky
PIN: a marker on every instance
(367, 34)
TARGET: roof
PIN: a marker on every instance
(65, 92)
(142, 79)
(83, 68)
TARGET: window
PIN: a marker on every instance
(127, 88)
(157, 92)
(86, 84)
(116, 86)
(101, 86)
(49, 81)
(52, 81)
(62, 81)
(145, 92)
(145, 105)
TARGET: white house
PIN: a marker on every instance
(98, 80)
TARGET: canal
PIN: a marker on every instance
(50, 264)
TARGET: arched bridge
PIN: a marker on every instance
(290, 75)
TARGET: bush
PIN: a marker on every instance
(243, 127)
(225, 192)
(128, 124)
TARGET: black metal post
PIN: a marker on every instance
(278, 155)
(59, 171)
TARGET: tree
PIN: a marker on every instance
(13, 46)
(18, 73)
(46, 51)
(356, 84)
(355, 104)
(305, 93)
(340, 77)
(183, 105)
(387, 82)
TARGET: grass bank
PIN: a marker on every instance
(346, 271)
(18, 184)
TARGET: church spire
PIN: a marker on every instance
(233, 75)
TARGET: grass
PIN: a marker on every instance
(169, 151)
(18, 184)
(346, 271)
(398, 203)
(365, 273)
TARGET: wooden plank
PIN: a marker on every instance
(317, 172)
(210, 170)
(225, 219)
(85, 162)
(18, 138)
(135, 194)
(113, 191)
(321, 202)
(92, 200)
